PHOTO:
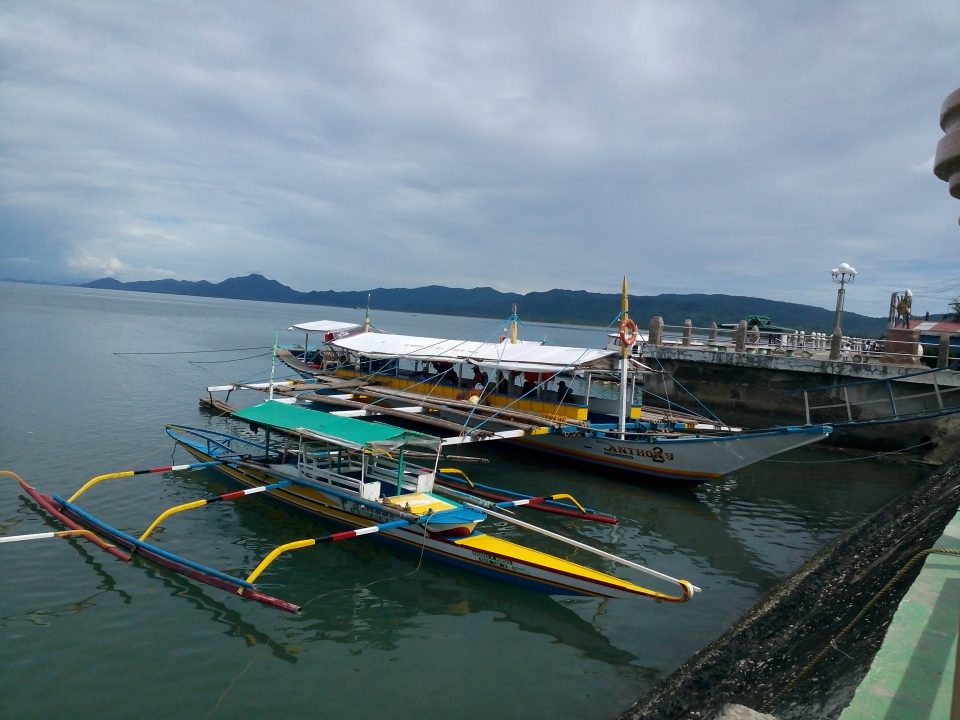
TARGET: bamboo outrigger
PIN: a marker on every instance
(122, 545)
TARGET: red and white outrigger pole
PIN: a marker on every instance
(44, 535)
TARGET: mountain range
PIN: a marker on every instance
(553, 306)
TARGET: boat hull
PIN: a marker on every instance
(681, 459)
(686, 458)
(680, 454)
(478, 552)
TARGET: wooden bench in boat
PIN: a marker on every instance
(419, 503)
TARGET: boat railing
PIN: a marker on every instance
(366, 475)
(320, 472)
(342, 469)
(219, 444)
(387, 469)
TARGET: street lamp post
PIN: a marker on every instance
(842, 274)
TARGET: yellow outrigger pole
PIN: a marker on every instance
(687, 588)
(130, 473)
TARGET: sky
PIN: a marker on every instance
(743, 148)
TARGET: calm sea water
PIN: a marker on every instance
(381, 635)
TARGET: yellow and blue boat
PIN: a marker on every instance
(355, 474)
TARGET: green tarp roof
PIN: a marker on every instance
(341, 430)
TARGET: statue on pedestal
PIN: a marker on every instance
(904, 306)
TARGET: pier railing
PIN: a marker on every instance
(900, 347)
(901, 401)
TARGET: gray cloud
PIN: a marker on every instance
(721, 147)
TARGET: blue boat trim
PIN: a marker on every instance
(136, 542)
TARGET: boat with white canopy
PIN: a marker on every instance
(576, 403)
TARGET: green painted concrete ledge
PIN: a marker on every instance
(911, 677)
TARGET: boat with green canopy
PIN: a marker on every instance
(355, 473)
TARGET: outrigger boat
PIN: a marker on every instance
(355, 473)
(604, 423)
(455, 481)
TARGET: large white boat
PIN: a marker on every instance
(576, 403)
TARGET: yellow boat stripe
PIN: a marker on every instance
(520, 553)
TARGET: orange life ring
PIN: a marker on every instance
(628, 332)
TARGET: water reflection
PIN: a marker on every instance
(360, 593)
(106, 586)
(755, 526)
(233, 619)
(91, 559)
(384, 613)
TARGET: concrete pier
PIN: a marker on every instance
(761, 387)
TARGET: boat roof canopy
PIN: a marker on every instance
(324, 326)
(504, 355)
(344, 431)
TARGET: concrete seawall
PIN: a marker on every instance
(802, 651)
(759, 390)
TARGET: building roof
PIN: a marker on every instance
(936, 327)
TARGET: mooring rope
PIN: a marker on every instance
(191, 352)
(832, 644)
(853, 459)
(211, 362)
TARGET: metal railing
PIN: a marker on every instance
(899, 403)
(944, 354)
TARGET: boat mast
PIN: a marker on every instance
(366, 316)
(624, 355)
(514, 333)
(273, 362)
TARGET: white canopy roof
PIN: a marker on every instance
(324, 326)
(522, 356)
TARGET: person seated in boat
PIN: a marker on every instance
(564, 393)
(528, 387)
(503, 385)
(479, 377)
(446, 373)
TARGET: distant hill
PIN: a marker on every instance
(251, 287)
(557, 306)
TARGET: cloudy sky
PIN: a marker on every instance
(720, 147)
